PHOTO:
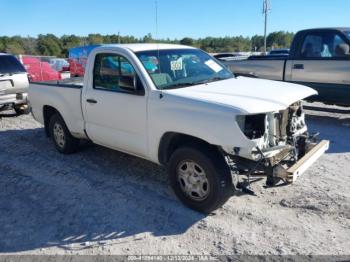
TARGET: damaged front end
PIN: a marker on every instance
(284, 149)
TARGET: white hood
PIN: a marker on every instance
(248, 95)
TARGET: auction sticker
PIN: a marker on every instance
(213, 65)
(176, 64)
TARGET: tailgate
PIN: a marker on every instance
(13, 84)
(4, 85)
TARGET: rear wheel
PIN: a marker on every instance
(64, 142)
(200, 178)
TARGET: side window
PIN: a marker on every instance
(324, 46)
(312, 46)
(340, 48)
(115, 73)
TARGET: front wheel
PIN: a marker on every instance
(64, 142)
(200, 178)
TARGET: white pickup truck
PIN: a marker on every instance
(179, 107)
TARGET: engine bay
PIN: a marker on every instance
(275, 130)
(283, 146)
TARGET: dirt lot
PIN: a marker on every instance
(103, 202)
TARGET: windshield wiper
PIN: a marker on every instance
(213, 79)
(179, 85)
(186, 84)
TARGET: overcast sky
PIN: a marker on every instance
(176, 18)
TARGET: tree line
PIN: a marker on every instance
(51, 45)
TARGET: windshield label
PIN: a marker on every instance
(214, 66)
(176, 65)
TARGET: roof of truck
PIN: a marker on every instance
(329, 28)
(147, 47)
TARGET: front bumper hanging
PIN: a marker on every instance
(290, 174)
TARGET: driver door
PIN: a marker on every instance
(115, 105)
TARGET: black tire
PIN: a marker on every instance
(70, 144)
(216, 170)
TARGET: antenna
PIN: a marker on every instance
(156, 38)
(266, 9)
(156, 6)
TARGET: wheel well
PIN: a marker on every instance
(48, 112)
(172, 141)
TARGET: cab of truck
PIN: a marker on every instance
(320, 58)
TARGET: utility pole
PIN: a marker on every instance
(266, 9)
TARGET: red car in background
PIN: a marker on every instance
(39, 70)
(77, 59)
(76, 68)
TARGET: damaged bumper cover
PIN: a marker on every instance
(313, 152)
(280, 163)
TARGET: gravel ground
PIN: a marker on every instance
(99, 201)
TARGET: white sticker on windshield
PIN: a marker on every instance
(213, 65)
(176, 64)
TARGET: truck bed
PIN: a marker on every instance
(64, 96)
(76, 82)
(269, 67)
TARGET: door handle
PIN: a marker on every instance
(91, 101)
(298, 66)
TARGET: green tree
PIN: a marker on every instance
(29, 45)
(257, 43)
(187, 41)
(70, 41)
(14, 48)
(94, 39)
(49, 45)
(148, 38)
(279, 39)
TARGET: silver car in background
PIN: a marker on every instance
(59, 64)
(14, 84)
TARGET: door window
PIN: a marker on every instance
(115, 73)
(324, 46)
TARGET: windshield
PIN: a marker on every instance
(176, 68)
(10, 65)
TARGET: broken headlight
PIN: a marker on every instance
(253, 126)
